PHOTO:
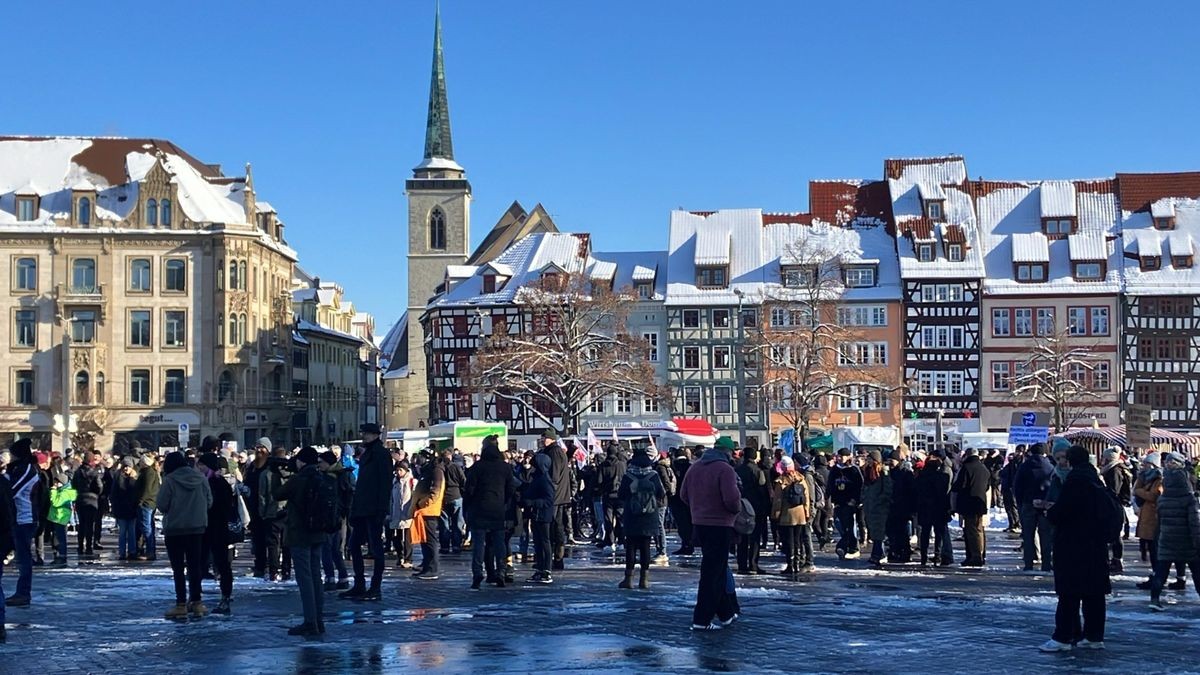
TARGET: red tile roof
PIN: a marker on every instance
(840, 202)
(106, 156)
(1137, 191)
(955, 235)
(919, 228)
(775, 218)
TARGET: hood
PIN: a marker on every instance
(491, 453)
(642, 460)
(1176, 481)
(187, 477)
(542, 462)
(712, 455)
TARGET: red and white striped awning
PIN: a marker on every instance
(1116, 436)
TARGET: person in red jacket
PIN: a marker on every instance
(711, 494)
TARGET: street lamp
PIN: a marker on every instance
(741, 371)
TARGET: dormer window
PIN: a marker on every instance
(925, 252)
(954, 252)
(1058, 227)
(934, 210)
(489, 283)
(1181, 261)
(1164, 223)
(26, 208)
(859, 277)
(83, 211)
(1031, 272)
(551, 280)
(1088, 271)
(716, 276)
(794, 276)
(644, 289)
(152, 212)
(1151, 263)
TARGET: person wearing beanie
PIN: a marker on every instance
(400, 519)
(642, 492)
(666, 476)
(304, 541)
(123, 500)
(1029, 492)
(1146, 490)
(184, 500)
(792, 508)
(488, 488)
(149, 482)
(24, 481)
(711, 493)
(845, 493)
(755, 488)
(221, 512)
(332, 559)
(1116, 476)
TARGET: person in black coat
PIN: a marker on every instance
(538, 495)
(971, 493)
(490, 485)
(88, 482)
(1116, 477)
(932, 488)
(123, 499)
(1029, 491)
(845, 493)
(679, 511)
(904, 504)
(560, 478)
(641, 512)
(609, 479)
(216, 534)
(753, 482)
(1080, 557)
(452, 526)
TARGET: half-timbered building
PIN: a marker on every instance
(1160, 219)
(941, 270)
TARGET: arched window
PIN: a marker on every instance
(85, 211)
(225, 386)
(233, 275)
(166, 213)
(139, 275)
(81, 387)
(151, 212)
(176, 275)
(437, 230)
(242, 329)
(242, 282)
(233, 330)
(100, 388)
(220, 330)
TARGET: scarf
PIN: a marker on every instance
(1061, 472)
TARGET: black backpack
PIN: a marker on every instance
(321, 503)
(796, 494)
(642, 495)
(1111, 515)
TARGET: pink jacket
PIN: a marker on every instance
(710, 490)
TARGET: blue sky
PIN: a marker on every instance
(610, 113)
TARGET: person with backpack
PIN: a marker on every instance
(612, 469)
(756, 489)
(538, 496)
(62, 501)
(221, 512)
(312, 495)
(1116, 477)
(711, 493)
(1081, 516)
(845, 493)
(666, 475)
(332, 559)
(642, 492)
(272, 512)
(792, 507)
(1178, 527)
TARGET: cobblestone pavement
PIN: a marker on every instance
(846, 618)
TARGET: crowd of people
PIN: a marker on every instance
(304, 512)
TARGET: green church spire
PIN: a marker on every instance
(437, 128)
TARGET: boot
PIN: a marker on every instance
(177, 613)
(1178, 585)
(627, 582)
(197, 609)
(644, 580)
(222, 606)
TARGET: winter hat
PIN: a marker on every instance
(551, 434)
(39, 457)
(1110, 455)
(307, 454)
(128, 462)
(213, 461)
(787, 462)
(22, 450)
(844, 452)
(328, 457)
(724, 444)
(209, 444)
(1176, 457)
(1153, 459)
(173, 461)
(1059, 444)
(264, 442)
(875, 455)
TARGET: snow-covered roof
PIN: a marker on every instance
(712, 246)
(1141, 239)
(1010, 220)
(759, 251)
(263, 207)
(908, 182)
(436, 163)
(54, 167)
(930, 191)
(1089, 246)
(460, 271)
(534, 254)
(1058, 199)
(306, 326)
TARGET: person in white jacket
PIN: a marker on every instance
(400, 515)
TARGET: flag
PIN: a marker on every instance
(653, 446)
(593, 442)
(615, 439)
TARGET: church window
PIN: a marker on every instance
(437, 230)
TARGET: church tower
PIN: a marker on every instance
(439, 231)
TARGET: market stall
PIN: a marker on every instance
(1097, 439)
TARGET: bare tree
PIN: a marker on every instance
(807, 346)
(574, 347)
(1059, 374)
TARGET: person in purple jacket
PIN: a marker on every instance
(711, 494)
